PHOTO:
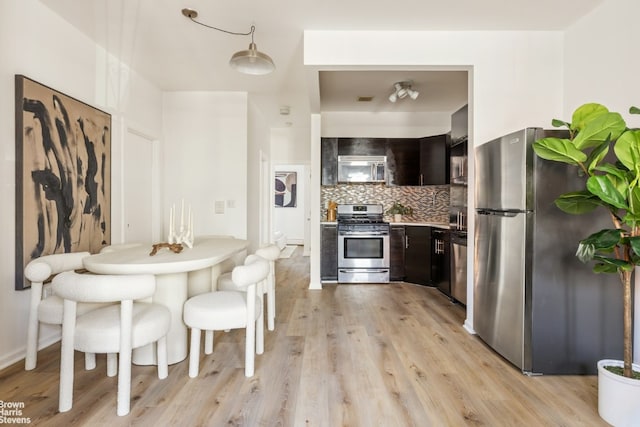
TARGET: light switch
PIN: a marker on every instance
(219, 206)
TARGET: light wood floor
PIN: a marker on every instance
(349, 355)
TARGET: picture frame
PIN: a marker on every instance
(63, 175)
(285, 189)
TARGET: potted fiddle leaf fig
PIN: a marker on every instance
(398, 209)
(614, 189)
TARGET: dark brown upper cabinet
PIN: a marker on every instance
(418, 161)
(329, 161)
(410, 161)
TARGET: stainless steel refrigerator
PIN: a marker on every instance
(535, 303)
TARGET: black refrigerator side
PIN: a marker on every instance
(576, 315)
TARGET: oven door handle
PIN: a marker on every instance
(364, 233)
(363, 270)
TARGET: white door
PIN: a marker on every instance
(290, 213)
(138, 191)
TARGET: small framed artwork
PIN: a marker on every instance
(285, 189)
(63, 175)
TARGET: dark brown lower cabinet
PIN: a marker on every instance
(396, 258)
(329, 252)
(417, 255)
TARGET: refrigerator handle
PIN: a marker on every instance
(508, 213)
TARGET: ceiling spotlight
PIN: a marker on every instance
(402, 89)
(250, 61)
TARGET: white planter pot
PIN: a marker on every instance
(397, 217)
(618, 396)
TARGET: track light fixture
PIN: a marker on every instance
(250, 61)
(402, 89)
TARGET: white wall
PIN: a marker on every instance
(54, 53)
(258, 154)
(602, 64)
(516, 81)
(290, 145)
(384, 125)
(205, 159)
(517, 76)
(602, 60)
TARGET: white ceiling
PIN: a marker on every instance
(168, 49)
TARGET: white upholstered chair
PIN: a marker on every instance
(230, 309)
(116, 328)
(49, 310)
(271, 254)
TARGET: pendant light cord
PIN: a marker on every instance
(250, 33)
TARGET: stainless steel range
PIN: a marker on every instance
(363, 244)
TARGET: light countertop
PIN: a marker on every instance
(442, 225)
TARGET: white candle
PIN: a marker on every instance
(170, 220)
(182, 217)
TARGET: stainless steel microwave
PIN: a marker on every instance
(362, 168)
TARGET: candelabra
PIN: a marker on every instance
(184, 234)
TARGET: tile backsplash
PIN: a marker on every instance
(430, 203)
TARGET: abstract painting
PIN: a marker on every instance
(285, 189)
(63, 175)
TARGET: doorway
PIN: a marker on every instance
(138, 193)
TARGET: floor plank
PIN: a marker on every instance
(349, 355)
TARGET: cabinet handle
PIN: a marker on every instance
(406, 242)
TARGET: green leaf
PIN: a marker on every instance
(631, 219)
(559, 123)
(585, 113)
(559, 150)
(604, 127)
(578, 202)
(603, 239)
(627, 149)
(596, 156)
(634, 242)
(602, 187)
(612, 170)
(605, 268)
(634, 201)
(619, 264)
(634, 110)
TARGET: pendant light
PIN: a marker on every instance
(249, 61)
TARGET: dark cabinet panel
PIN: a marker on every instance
(417, 255)
(460, 125)
(410, 161)
(434, 160)
(403, 161)
(396, 247)
(418, 161)
(361, 146)
(329, 160)
(440, 260)
(329, 252)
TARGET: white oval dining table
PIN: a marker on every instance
(173, 272)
